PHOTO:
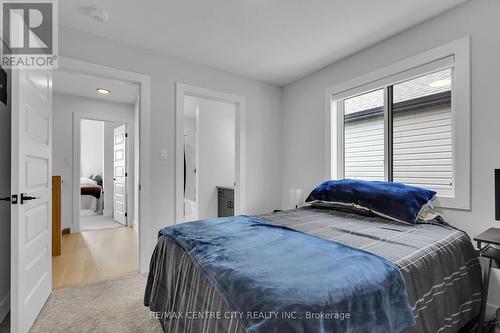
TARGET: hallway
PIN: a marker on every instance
(92, 256)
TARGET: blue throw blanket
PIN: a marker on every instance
(281, 280)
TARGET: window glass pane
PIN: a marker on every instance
(422, 132)
(364, 136)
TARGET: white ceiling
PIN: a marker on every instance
(277, 41)
(84, 85)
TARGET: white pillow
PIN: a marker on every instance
(87, 181)
(429, 213)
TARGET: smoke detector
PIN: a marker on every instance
(100, 15)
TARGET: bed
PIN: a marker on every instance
(91, 198)
(438, 263)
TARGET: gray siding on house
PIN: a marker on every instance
(422, 133)
(422, 149)
(364, 149)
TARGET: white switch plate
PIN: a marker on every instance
(163, 154)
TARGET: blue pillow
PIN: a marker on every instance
(396, 201)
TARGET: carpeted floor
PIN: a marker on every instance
(5, 325)
(97, 222)
(109, 306)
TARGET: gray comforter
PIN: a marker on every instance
(439, 265)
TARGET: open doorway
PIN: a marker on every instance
(33, 270)
(210, 154)
(209, 158)
(99, 198)
(103, 174)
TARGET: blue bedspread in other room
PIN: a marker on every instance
(282, 280)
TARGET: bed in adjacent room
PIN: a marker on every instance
(91, 198)
(437, 264)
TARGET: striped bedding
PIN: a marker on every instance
(439, 265)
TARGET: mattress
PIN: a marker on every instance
(438, 263)
(90, 205)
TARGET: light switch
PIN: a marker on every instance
(163, 154)
(67, 160)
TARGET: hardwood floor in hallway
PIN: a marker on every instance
(92, 256)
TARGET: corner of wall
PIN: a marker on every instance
(282, 151)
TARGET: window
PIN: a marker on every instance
(420, 123)
(407, 123)
(364, 136)
(422, 147)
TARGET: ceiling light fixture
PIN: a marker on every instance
(440, 83)
(103, 91)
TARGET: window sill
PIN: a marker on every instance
(457, 202)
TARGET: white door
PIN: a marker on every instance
(31, 216)
(120, 175)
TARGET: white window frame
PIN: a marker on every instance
(457, 54)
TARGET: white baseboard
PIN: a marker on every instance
(107, 213)
(4, 306)
(135, 225)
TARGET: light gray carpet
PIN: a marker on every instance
(97, 222)
(109, 306)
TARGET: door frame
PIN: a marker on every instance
(77, 142)
(144, 192)
(183, 90)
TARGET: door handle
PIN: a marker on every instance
(26, 198)
(12, 199)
